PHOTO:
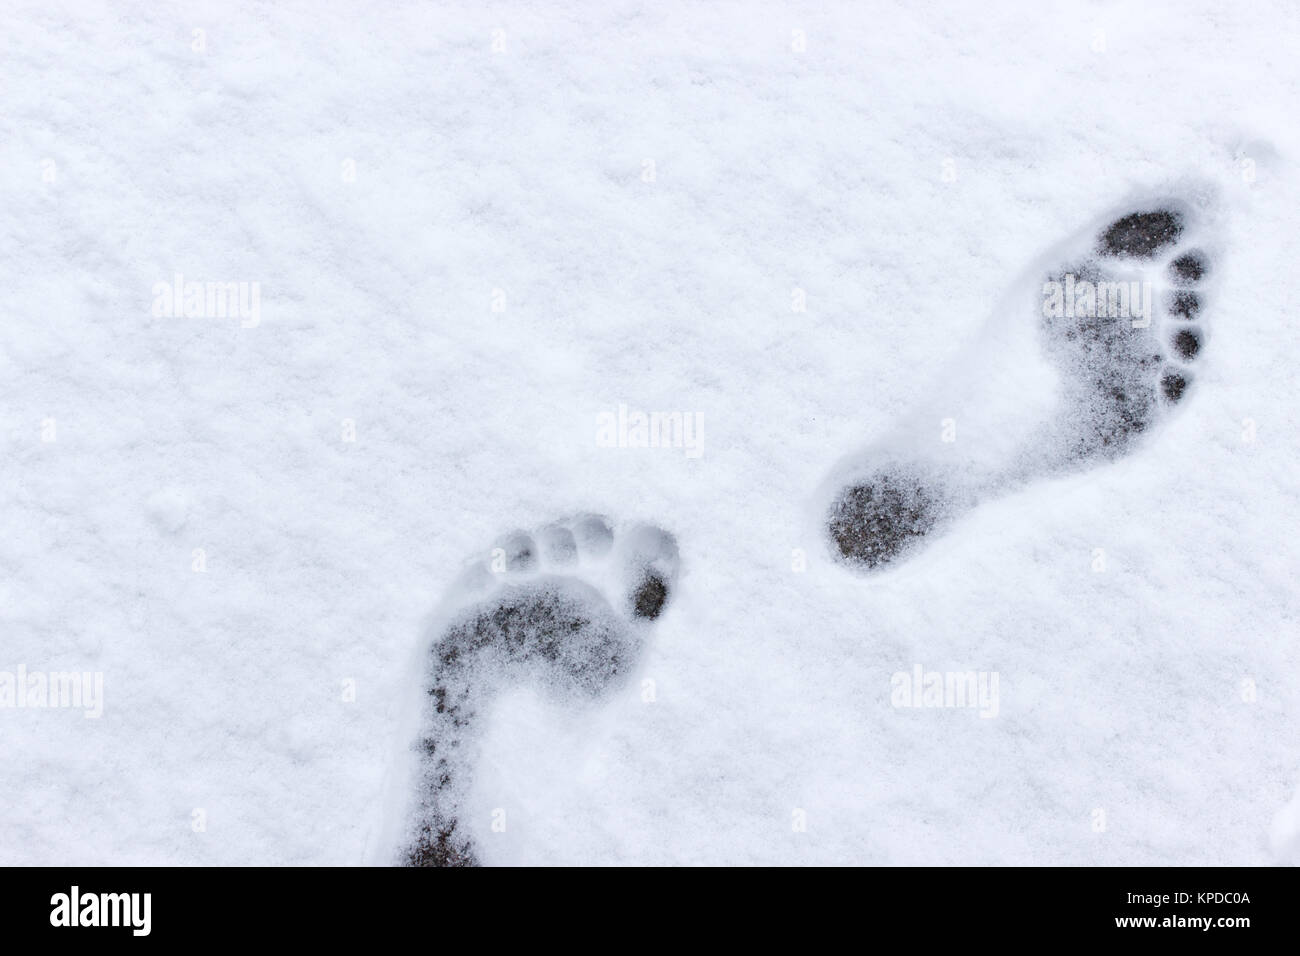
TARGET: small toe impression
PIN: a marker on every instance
(520, 551)
(1186, 343)
(1184, 305)
(651, 561)
(558, 545)
(872, 523)
(1173, 385)
(1188, 268)
(474, 578)
(593, 535)
(1142, 234)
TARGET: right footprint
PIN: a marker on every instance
(1077, 372)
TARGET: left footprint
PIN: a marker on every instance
(569, 608)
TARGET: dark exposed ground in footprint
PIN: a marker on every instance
(1184, 305)
(1141, 235)
(1189, 267)
(649, 598)
(1120, 373)
(557, 631)
(1186, 344)
(873, 523)
(1172, 386)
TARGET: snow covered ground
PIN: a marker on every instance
(476, 228)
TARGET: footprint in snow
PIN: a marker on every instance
(1095, 349)
(568, 608)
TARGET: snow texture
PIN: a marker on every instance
(455, 247)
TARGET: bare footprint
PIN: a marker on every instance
(568, 608)
(1078, 372)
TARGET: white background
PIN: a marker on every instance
(522, 170)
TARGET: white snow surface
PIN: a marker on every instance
(900, 163)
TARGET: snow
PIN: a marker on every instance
(462, 254)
